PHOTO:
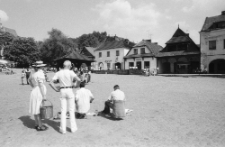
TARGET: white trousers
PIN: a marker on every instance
(67, 97)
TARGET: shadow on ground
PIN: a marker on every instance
(30, 123)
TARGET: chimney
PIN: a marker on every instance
(156, 43)
(149, 40)
(223, 13)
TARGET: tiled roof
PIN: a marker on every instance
(139, 55)
(74, 55)
(112, 44)
(177, 53)
(88, 51)
(178, 39)
(153, 47)
(209, 21)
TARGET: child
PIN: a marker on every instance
(23, 76)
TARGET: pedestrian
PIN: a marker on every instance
(23, 74)
(116, 102)
(66, 78)
(27, 74)
(38, 94)
(83, 98)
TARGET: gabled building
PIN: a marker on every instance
(109, 55)
(180, 56)
(212, 38)
(143, 55)
(88, 51)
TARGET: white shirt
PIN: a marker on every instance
(65, 77)
(117, 95)
(83, 97)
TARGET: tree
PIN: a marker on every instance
(5, 40)
(24, 51)
(91, 40)
(56, 46)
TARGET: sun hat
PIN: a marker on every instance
(38, 64)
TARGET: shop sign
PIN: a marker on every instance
(108, 61)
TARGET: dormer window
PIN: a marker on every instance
(142, 50)
(135, 51)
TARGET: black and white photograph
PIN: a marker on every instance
(112, 73)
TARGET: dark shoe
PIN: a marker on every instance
(42, 128)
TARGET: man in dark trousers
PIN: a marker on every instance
(27, 74)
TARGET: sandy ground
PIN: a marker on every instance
(168, 112)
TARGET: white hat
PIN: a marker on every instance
(38, 64)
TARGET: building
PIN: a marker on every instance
(88, 51)
(143, 55)
(109, 55)
(212, 39)
(180, 56)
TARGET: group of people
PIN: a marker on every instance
(25, 74)
(64, 81)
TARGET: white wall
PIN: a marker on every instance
(139, 50)
(152, 60)
(208, 55)
(112, 59)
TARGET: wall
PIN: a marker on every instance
(112, 59)
(209, 55)
(139, 50)
(152, 60)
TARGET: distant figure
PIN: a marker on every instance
(27, 74)
(66, 78)
(38, 94)
(83, 98)
(23, 74)
(116, 102)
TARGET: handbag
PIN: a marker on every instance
(46, 111)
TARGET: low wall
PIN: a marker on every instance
(119, 72)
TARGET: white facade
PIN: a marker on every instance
(109, 59)
(217, 53)
(141, 62)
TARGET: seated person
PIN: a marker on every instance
(116, 102)
(83, 98)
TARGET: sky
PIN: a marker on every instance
(132, 19)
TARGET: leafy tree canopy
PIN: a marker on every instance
(24, 51)
(56, 46)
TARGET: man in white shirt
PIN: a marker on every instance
(116, 102)
(66, 78)
(83, 98)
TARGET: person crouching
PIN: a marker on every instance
(83, 98)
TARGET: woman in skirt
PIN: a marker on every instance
(38, 94)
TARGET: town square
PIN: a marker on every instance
(112, 73)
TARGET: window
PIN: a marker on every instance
(138, 64)
(131, 64)
(135, 51)
(100, 54)
(108, 66)
(108, 54)
(142, 50)
(117, 53)
(212, 45)
(146, 64)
